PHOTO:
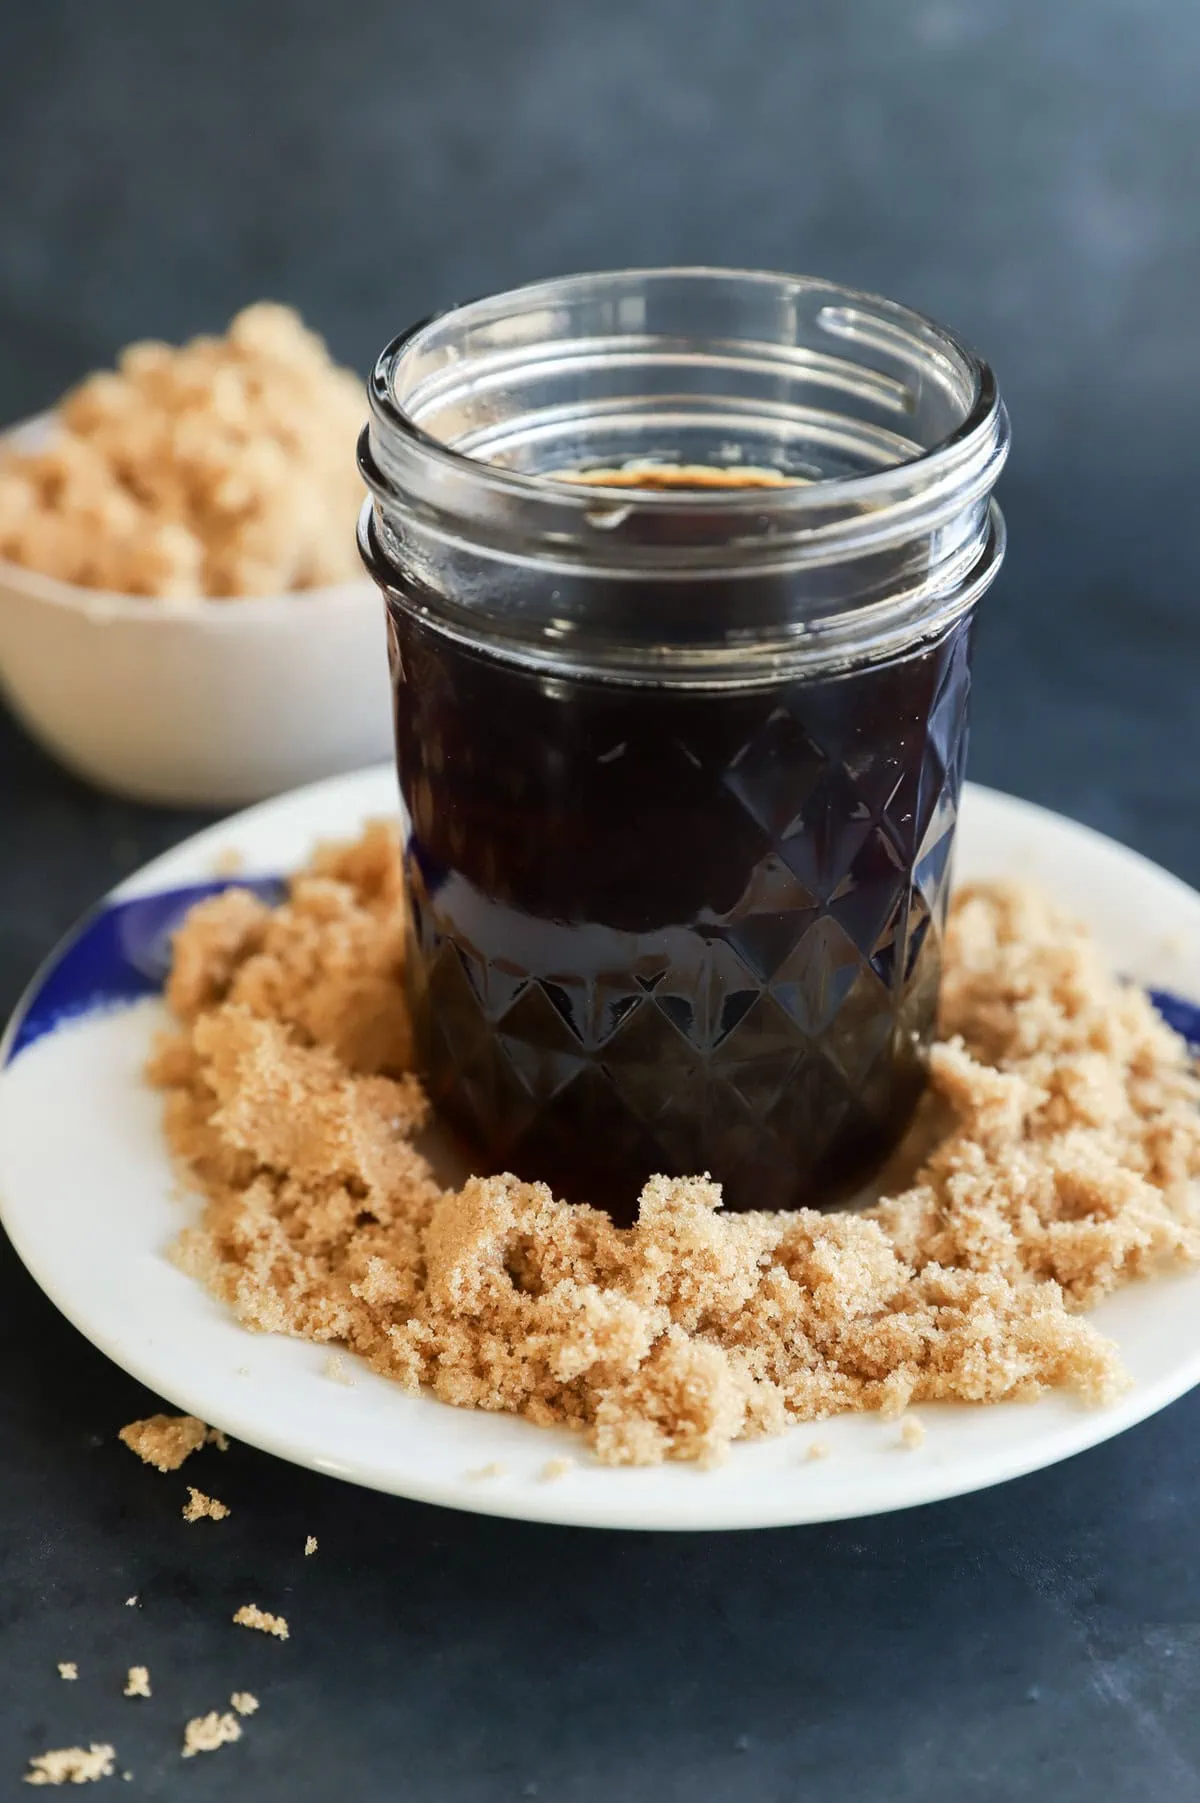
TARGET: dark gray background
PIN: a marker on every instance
(1027, 172)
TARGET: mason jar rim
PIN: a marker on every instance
(884, 434)
(985, 411)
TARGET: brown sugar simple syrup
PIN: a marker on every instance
(669, 929)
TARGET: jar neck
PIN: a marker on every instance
(887, 435)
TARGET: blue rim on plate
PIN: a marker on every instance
(119, 953)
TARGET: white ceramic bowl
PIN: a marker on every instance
(198, 703)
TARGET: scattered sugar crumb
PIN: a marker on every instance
(554, 1469)
(818, 1449)
(229, 861)
(72, 1765)
(165, 1441)
(310, 1546)
(216, 1438)
(1062, 1129)
(242, 1371)
(127, 1776)
(251, 1616)
(244, 1701)
(68, 1670)
(199, 1507)
(131, 1602)
(137, 1681)
(912, 1432)
(494, 1469)
(205, 1733)
(337, 1370)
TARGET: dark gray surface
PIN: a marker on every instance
(1026, 172)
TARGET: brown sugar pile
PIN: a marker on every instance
(224, 467)
(1064, 1119)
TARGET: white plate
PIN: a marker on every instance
(87, 1196)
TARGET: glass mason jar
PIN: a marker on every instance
(680, 567)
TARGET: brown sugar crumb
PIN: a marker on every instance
(554, 1469)
(912, 1432)
(244, 1701)
(216, 1438)
(229, 861)
(205, 1733)
(251, 1616)
(137, 1681)
(199, 1507)
(1062, 1136)
(165, 1441)
(337, 1370)
(131, 1602)
(818, 1449)
(494, 1469)
(310, 1546)
(72, 1765)
(68, 1670)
